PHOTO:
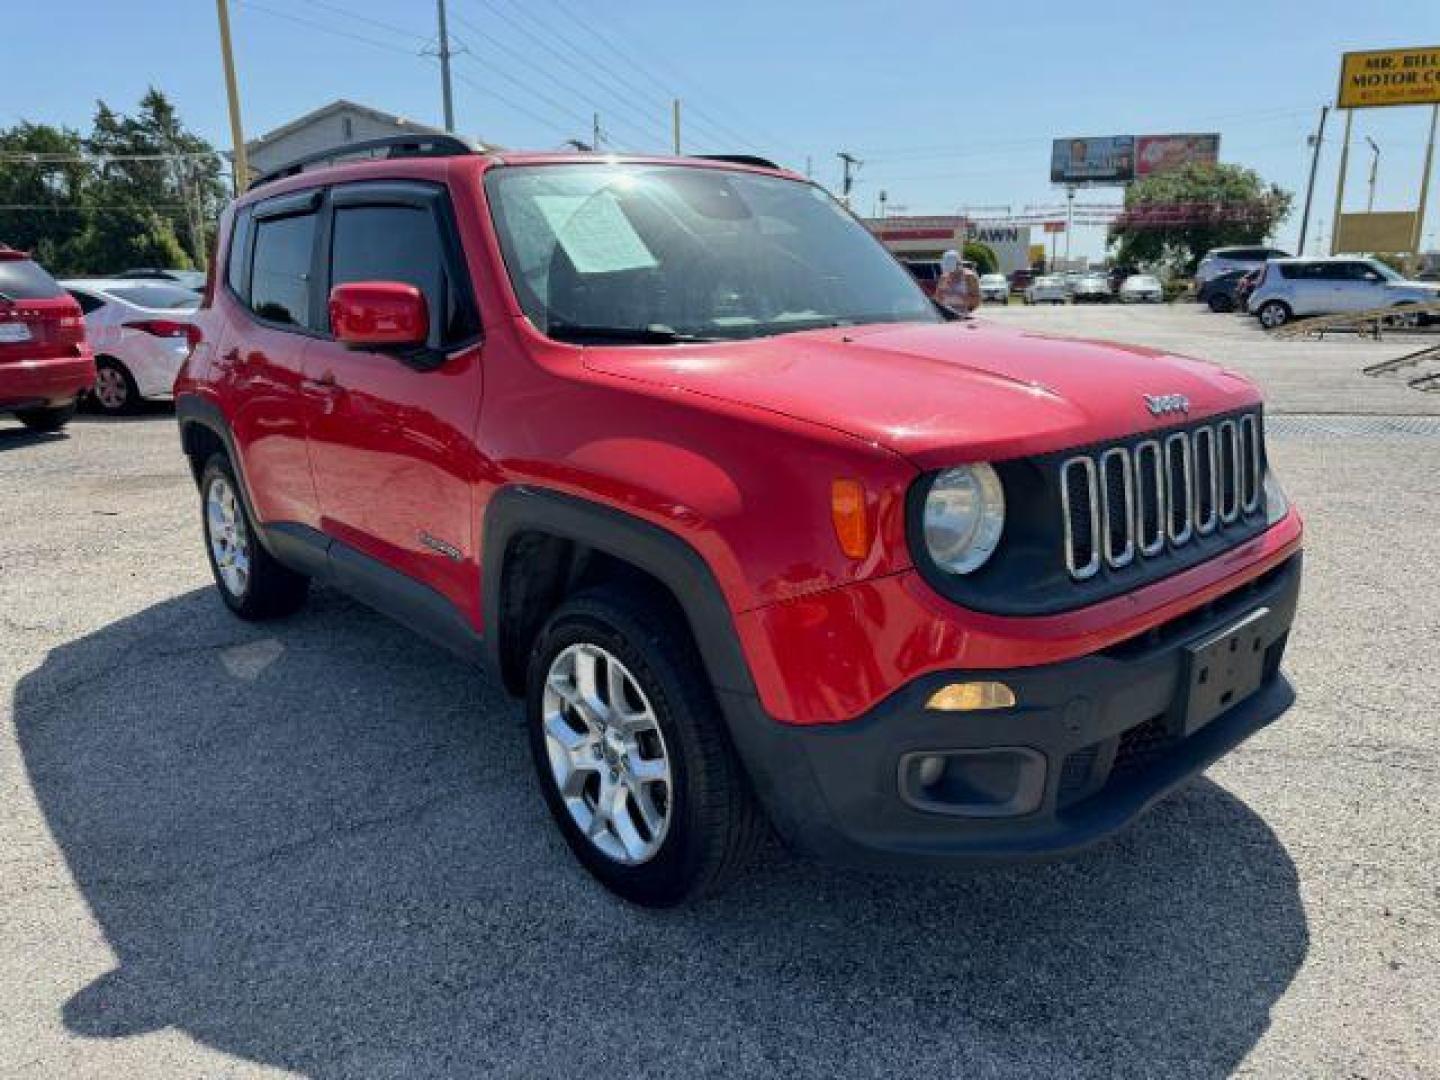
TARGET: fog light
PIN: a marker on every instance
(930, 770)
(971, 697)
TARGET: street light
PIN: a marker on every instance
(1374, 168)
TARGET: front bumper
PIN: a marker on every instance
(1091, 744)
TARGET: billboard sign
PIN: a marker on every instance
(1156, 154)
(1389, 77)
(1107, 160)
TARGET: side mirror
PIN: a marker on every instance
(381, 315)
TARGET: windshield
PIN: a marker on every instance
(1384, 271)
(159, 297)
(661, 253)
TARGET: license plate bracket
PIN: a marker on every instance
(1224, 669)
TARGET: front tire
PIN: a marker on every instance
(632, 754)
(115, 392)
(1273, 314)
(253, 585)
(46, 420)
(1221, 304)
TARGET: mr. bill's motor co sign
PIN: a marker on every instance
(1390, 77)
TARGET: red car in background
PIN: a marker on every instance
(45, 361)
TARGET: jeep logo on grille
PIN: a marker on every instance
(1161, 404)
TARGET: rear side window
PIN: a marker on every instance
(235, 256)
(280, 273)
(21, 279)
(401, 243)
(87, 301)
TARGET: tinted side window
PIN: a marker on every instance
(235, 257)
(87, 302)
(401, 243)
(280, 273)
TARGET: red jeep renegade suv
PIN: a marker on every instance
(759, 533)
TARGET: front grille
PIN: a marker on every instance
(1121, 502)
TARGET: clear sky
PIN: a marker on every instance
(948, 104)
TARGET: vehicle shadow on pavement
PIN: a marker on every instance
(18, 438)
(317, 844)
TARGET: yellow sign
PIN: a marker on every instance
(1389, 77)
(1037, 254)
(1389, 231)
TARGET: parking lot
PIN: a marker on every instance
(315, 846)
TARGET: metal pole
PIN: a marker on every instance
(595, 132)
(1425, 181)
(445, 68)
(241, 163)
(1310, 187)
(675, 125)
(1069, 222)
(1374, 169)
(1340, 184)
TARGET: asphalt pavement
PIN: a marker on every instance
(315, 846)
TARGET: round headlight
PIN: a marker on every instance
(964, 515)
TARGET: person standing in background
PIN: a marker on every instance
(959, 286)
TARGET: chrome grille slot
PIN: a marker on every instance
(1207, 492)
(1117, 489)
(1149, 498)
(1080, 501)
(1228, 437)
(1249, 464)
(1126, 504)
(1179, 483)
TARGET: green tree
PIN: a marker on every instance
(982, 255)
(1174, 218)
(138, 190)
(42, 189)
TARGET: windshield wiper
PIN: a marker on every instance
(639, 335)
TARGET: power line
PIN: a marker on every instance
(588, 66)
(471, 28)
(644, 67)
(326, 28)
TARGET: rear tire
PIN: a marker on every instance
(115, 392)
(46, 420)
(1221, 304)
(661, 842)
(253, 585)
(1273, 314)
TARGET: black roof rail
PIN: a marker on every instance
(395, 146)
(740, 159)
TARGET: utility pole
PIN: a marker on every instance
(1425, 180)
(595, 132)
(675, 126)
(1340, 183)
(850, 164)
(1374, 168)
(1315, 141)
(1069, 221)
(444, 55)
(239, 164)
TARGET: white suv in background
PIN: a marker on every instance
(1294, 288)
(140, 332)
(1219, 260)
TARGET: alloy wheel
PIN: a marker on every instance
(607, 756)
(229, 539)
(110, 388)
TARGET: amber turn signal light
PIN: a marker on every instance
(971, 697)
(852, 520)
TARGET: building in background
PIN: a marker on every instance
(327, 127)
(930, 237)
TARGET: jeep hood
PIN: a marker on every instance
(942, 394)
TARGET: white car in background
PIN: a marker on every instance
(1291, 288)
(1142, 289)
(141, 333)
(1218, 260)
(995, 287)
(1049, 289)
